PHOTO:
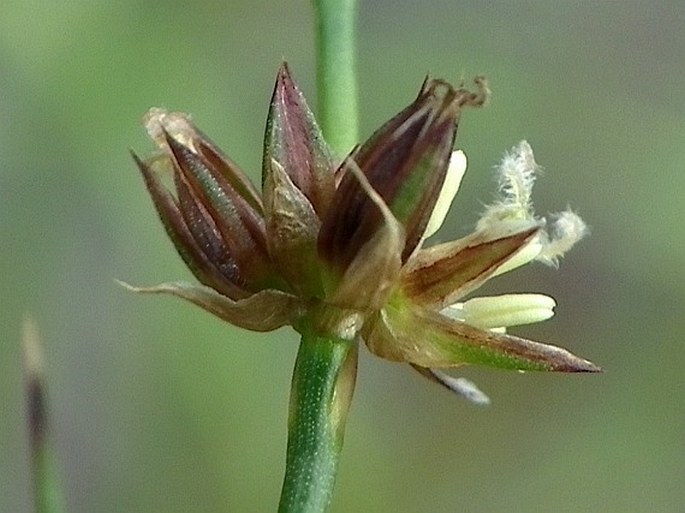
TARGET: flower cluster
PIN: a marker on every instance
(339, 247)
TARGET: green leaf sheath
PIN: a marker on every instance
(336, 72)
(322, 387)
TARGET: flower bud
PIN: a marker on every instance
(214, 218)
(294, 140)
(405, 162)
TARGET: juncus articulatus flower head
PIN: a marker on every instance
(340, 246)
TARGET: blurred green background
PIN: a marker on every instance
(158, 407)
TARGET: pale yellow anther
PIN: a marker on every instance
(497, 312)
(455, 173)
(508, 310)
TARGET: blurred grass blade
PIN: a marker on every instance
(47, 492)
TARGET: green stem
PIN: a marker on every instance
(326, 366)
(46, 484)
(336, 74)
(322, 387)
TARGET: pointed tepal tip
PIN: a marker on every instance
(286, 91)
(557, 359)
(284, 80)
(142, 167)
(574, 363)
(281, 98)
(424, 85)
(284, 70)
(588, 366)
